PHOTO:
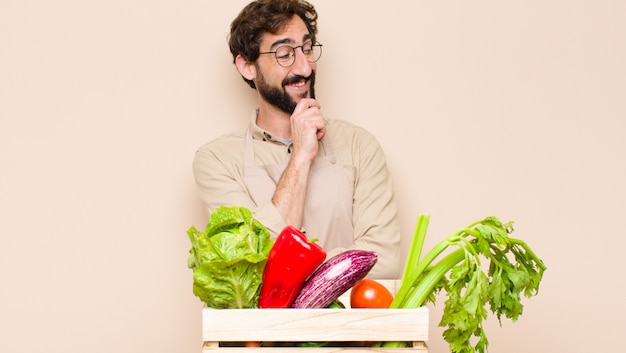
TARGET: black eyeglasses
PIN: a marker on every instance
(286, 54)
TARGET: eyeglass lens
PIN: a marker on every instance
(286, 55)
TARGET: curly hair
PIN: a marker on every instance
(266, 16)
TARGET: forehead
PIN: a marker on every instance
(292, 32)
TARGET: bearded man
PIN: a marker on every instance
(291, 165)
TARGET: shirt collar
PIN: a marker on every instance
(260, 134)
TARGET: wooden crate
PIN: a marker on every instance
(316, 325)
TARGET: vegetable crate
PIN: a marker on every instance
(227, 330)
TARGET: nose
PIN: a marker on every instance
(301, 65)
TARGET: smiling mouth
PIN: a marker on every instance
(298, 88)
(301, 83)
(296, 81)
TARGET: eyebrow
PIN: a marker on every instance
(289, 41)
(281, 41)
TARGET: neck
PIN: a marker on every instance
(274, 120)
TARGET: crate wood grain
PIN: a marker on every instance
(316, 325)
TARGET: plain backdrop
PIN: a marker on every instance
(509, 108)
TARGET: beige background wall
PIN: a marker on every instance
(515, 109)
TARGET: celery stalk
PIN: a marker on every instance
(513, 270)
(430, 280)
(416, 245)
(408, 283)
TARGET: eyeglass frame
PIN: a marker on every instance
(293, 50)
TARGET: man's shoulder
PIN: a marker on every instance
(344, 127)
(225, 142)
(341, 122)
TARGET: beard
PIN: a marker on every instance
(278, 96)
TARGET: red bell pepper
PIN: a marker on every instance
(290, 262)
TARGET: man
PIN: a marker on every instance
(291, 166)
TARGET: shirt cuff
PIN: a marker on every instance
(271, 218)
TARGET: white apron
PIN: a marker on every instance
(328, 204)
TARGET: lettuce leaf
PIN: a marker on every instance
(228, 259)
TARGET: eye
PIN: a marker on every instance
(307, 48)
(284, 53)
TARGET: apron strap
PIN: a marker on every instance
(248, 150)
(328, 214)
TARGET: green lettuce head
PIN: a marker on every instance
(228, 259)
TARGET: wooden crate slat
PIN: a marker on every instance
(295, 325)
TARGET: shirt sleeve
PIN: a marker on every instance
(220, 183)
(375, 214)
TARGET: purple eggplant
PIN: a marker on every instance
(334, 277)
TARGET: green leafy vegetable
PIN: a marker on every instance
(228, 259)
(512, 270)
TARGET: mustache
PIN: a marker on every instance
(297, 78)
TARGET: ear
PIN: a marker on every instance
(245, 68)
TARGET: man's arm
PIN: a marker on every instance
(220, 182)
(307, 128)
(219, 175)
(375, 214)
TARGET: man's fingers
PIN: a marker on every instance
(321, 132)
(307, 117)
(306, 103)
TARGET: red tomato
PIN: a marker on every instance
(368, 293)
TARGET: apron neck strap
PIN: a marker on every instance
(248, 148)
(327, 146)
